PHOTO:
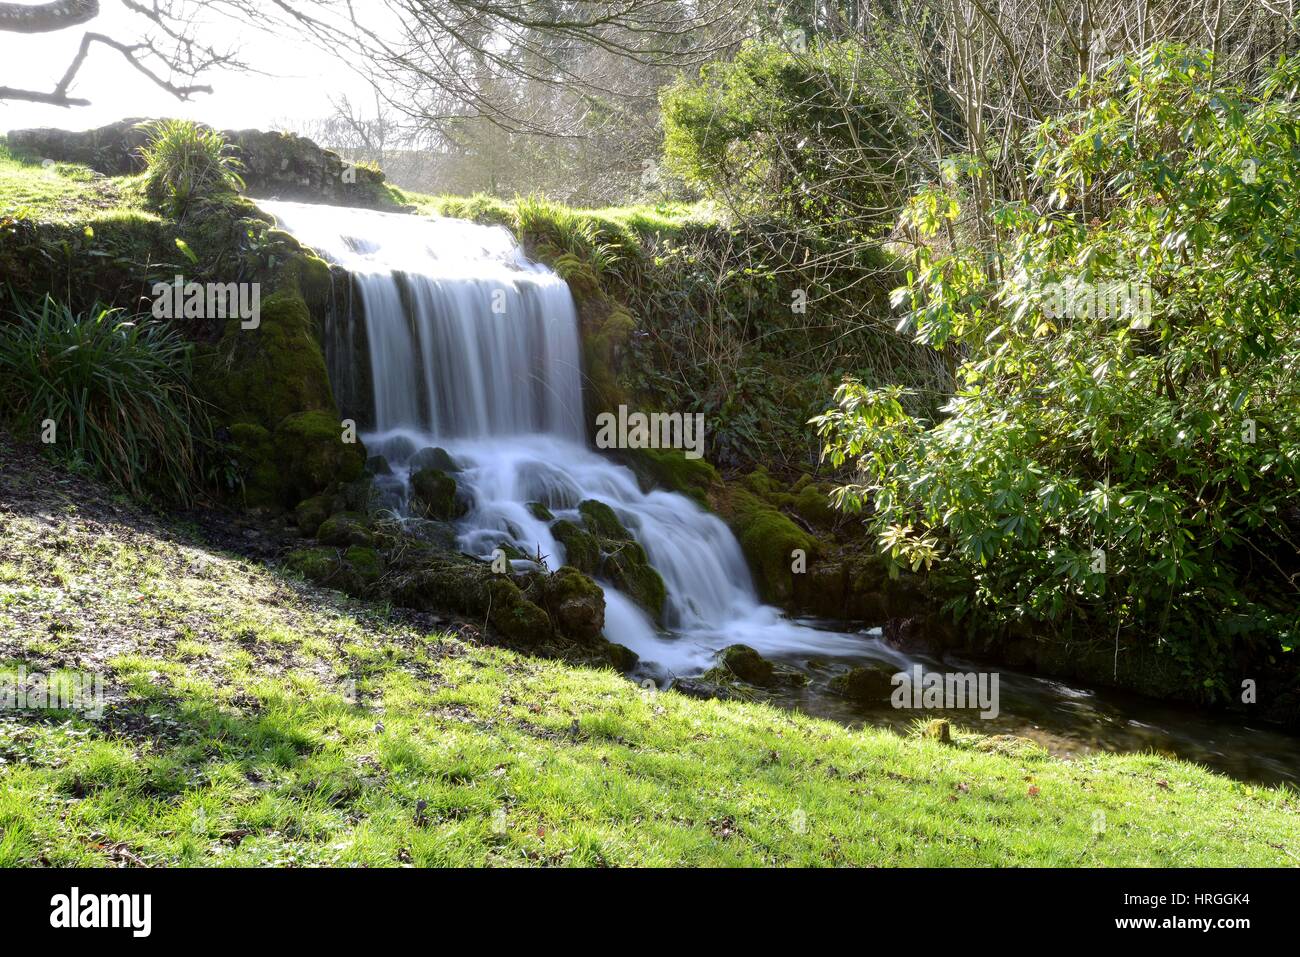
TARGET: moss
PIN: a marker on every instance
(630, 572)
(311, 513)
(311, 455)
(316, 564)
(868, 685)
(433, 495)
(577, 603)
(366, 562)
(539, 511)
(581, 550)
(601, 521)
(264, 374)
(345, 528)
(671, 469)
(746, 664)
(254, 453)
(814, 506)
(768, 540)
(514, 615)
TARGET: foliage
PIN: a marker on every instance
(117, 389)
(794, 134)
(1125, 467)
(185, 162)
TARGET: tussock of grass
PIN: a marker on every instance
(253, 720)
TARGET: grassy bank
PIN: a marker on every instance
(253, 719)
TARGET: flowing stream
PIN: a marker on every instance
(474, 349)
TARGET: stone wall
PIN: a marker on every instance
(276, 165)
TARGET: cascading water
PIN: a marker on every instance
(475, 349)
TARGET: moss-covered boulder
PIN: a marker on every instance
(540, 512)
(747, 664)
(312, 454)
(601, 520)
(581, 550)
(311, 513)
(440, 581)
(769, 540)
(366, 562)
(621, 559)
(345, 529)
(866, 685)
(670, 469)
(577, 604)
(433, 495)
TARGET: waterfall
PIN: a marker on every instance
(475, 349)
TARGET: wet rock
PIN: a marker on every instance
(433, 495)
(344, 529)
(577, 602)
(433, 457)
(746, 664)
(540, 512)
(702, 689)
(867, 685)
(378, 465)
(581, 550)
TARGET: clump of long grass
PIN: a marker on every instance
(117, 389)
(185, 161)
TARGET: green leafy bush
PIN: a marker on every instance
(804, 135)
(117, 389)
(186, 161)
(1127, 465)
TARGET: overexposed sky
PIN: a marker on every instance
(299, 85)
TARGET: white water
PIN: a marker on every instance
(483, 361)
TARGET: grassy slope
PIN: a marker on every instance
(229, 738)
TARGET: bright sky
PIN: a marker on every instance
(302, 78)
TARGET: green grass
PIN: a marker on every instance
(232, 736)
(64, 192)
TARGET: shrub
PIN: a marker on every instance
(117, 389)
(185, 162)
(1127, 472)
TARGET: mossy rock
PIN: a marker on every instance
(433, 495)
(366, 562)
(581, 550)
(814, 506)
(577, 604)
(747, 665)
(630, 572)
(311, 513)
(264, 374)
(315, 564)
(601, 521)
(378, 465)
(515, 616)
(345, 529)
(254, 452)
(867, 685)
(670, 469)
(540, 512)
(433, 457)
(312, 455)
(769, 540)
